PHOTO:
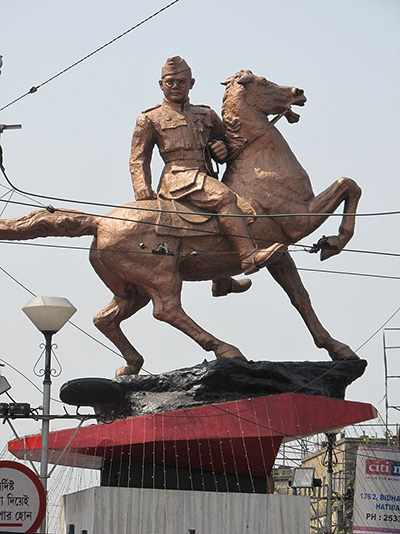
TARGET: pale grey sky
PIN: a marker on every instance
(75, 143)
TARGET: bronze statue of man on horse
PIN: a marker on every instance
(263, 203)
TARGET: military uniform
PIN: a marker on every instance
(181, 132)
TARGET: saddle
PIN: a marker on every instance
(179, 218)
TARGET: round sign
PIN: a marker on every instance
(22, 498)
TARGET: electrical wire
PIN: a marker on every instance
(37, 202)
(24, 376)
(73, 247)
(202, 253)
(35, 88)
(202, 213)
(368, 275)
(182, 212)
(379, 329)
(9, 201)
(70, 322)
(207, 232)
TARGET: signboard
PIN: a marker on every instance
(22, 498)
(377, 490)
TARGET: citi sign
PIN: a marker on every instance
(382, 467)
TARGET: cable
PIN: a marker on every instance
(209, 232)
(202, 253)
(184, 254)
(206, 214)
(350, 273)
(9, 190)
(70, 322)
(379, 329)
(18, 282)
(395, 254)
(26, 377)
(34, 89)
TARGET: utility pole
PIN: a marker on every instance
(328, 463)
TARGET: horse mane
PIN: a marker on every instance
(232, 101)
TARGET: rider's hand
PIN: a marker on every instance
(219, 151)
(145, 194)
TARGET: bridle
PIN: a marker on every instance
(239, 150)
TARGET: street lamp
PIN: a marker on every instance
(49, 315)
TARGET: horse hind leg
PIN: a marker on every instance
(343, 190)
(108, 322)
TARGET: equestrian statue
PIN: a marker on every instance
(196, 227)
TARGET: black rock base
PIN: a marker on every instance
(226, 380)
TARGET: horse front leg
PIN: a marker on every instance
(166, 299)
(285, 273)
(343, 190)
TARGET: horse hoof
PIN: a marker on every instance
(328, 253)
(353, 357)
(127, 370)
(229, 351)
(330, 246)
(341, 357)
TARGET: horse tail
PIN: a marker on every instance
(48, 223)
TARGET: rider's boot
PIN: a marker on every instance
(223, 286)
(236, 230)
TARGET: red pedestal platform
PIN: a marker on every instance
(241, 437)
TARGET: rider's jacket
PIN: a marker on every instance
(181, 131)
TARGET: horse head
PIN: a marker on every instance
(261, 95)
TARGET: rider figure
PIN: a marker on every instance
(182, 131)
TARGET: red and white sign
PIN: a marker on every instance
(377, 491)
(22, 498)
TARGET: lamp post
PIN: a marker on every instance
(49, 315)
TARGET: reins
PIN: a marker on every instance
(239, 150)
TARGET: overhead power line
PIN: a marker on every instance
(203, 253)
(185, 212)
(34, 89)
(70, 322)
(378, 330)
(350, 273)
(200, 231)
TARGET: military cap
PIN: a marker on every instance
(174, 65)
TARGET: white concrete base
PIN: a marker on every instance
(104, 510)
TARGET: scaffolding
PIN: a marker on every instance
(387, 348)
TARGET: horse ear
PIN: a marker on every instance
(245, 78)
(227, 81)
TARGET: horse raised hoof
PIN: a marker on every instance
(258, 259)
(127, 370)
(330, 246)
(224, 286)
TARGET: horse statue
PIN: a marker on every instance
(141, 258)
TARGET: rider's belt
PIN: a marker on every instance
(182, 155)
